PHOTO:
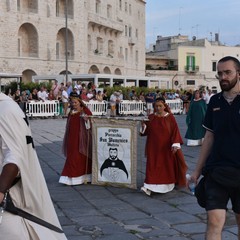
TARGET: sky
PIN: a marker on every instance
(200, 18)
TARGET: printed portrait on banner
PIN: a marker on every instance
(114, 154)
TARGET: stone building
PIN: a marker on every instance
(52, 37)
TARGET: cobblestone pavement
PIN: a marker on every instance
(103, 212)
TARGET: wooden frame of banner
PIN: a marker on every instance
(121, 136)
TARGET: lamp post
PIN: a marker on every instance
(173, 79)
(66, 38)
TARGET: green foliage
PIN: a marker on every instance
(27, 86)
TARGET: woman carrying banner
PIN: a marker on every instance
(162, 148)
(77, 145)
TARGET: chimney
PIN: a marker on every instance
(216, 37)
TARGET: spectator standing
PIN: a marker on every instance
(17, 97)
(105, 96)
(134, 95)
(42, 94)
(24, 100)
(99, 96)
(142, 96)
(59, 98)
(51, 95)
(163, 140)
(195, 117)
(79, 87)
(55, 88)
(90, 95)
(83, 95)
(74, 93)
(77, 145)
(113, 103)
(34, 95)
(150, 99)
(65, 101)
(220, 155)
(69, 88)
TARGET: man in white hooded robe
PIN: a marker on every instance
(18, 158)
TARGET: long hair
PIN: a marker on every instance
(162, 100)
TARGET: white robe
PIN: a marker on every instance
(30, 193)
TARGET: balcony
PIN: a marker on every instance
(191, 69)
(132, 41)
(98, 21)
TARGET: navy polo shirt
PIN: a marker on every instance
(223, 120)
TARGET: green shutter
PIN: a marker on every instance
(193, 63)
(188, 62)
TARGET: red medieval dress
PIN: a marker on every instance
(161, 169)
(77, 149)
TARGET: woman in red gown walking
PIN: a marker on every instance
(77, 145)
(163, 141)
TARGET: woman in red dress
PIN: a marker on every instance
(163, 140)
(77, 145)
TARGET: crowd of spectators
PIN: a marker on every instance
(89, 92)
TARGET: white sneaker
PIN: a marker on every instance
(145, 190)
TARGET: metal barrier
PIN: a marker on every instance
(176, 105)
(126, 107)
(97, 108)
(42, 109)
(133, 107)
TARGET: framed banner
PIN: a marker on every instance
(114, 152)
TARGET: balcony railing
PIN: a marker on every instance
(132, 41)
(191, 69)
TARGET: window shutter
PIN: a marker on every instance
(188, 62)
(193, 63)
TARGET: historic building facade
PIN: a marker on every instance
(188, 64)
(52, 37)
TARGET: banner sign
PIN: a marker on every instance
(114, 152)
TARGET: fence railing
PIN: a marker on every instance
(176, 105)
(126, 107)
(42, 109)
(97, 108)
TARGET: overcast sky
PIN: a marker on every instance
(200, 18)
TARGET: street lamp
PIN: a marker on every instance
(173, 79)
(66, 38)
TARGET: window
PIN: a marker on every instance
(120, 4)
(136, 33)
(121, 51)
(130, 9)
(190, 82)
(126, 7)
(126, 54)
(126, 30)
(57, 51)
(190, 63)
(89, 43)
(98, 5)
(214, 66)
(109, 11)
(18, 5)
(19, 47)
(136, 57)
(110, 48)
(130, 31)
(99, 45)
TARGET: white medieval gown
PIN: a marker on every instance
(30, 193)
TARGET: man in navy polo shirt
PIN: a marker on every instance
(221, 149)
